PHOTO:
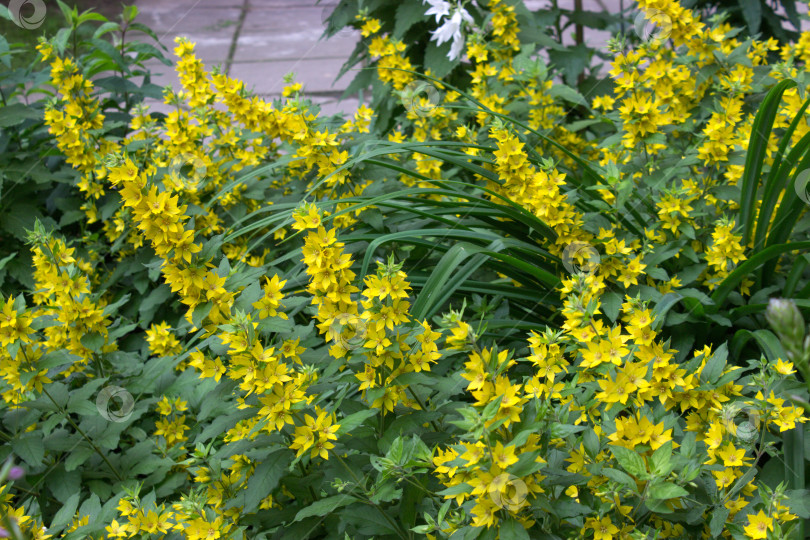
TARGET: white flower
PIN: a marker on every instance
(456, 47)
(451, 29)
(440, 8)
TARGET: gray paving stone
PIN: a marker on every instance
(210, 49)
(220, 21)
(286, 19)
(253, 46)
(317, 75)
(182, 6)
(211, 29)
(279, 36)
(260, 4)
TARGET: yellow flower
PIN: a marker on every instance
(783, 367)
(116, 530)
(603, 529)
(504, 456)
(603, 102)
(758, 525)
(371, 26)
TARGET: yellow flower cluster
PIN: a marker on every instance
(29, 526)
(537, 190)
(392, 65)
(379, 331)
(724, 253)
(615, 381)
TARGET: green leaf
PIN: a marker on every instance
(591, 442)
(412, 496)
(752, 12)
(621, 478)
(93, 341)
(17, 113)
(794, 457)
(76, 458)
(667, 490)
(5, 260)
(200, 313)
(65, 515)
(527, 464)
(324, 506)
(30, 448)
(436, 59)
(755, 156)
(56, 358)
(560, 431)
(152, 302)
(630, 461)
(777, 180)
(567, 93)
(350, 422)
(660, 461)
(409, 12)
(104, 48)
(611, 305)
(659, 506)
(109, 309)
(718, 521)
(715, 365)
(768, 343)
(512, 529)
(799, 502)
(265, 479)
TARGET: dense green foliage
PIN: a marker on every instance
(495, 304)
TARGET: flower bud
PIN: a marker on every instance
(787, 321)
(783, 314)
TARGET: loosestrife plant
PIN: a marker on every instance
(302, 359)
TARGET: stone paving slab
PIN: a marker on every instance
(270, 38)
(256, 45)
(182, 6)
(200, 20)
(286, 19)
(211, 29)
(259, 41)
(317, 75)
(210, 49)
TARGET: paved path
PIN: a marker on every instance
(259, 41)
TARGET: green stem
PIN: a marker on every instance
(86, 438)
(793, 441)
(402, 533)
